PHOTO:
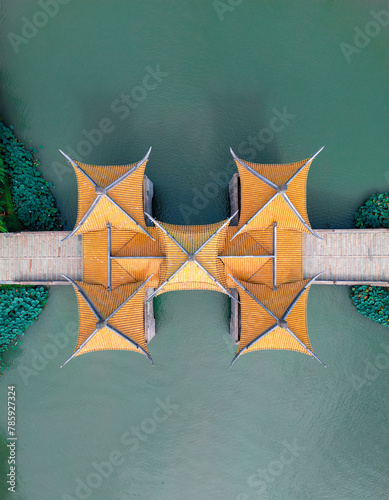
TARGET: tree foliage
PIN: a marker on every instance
(3, 207)
(8, 217)
(33, 201)
(19, 308)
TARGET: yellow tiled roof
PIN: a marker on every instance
(255, 194)
(232, 254)
(125, 198)
(129, 320)
(256, 320)
(289, 262)
(191, 238)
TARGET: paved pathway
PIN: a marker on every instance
(347, 256)
(36, 257)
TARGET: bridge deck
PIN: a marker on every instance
(348, 256)
(39, 258)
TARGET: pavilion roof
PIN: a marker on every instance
(191, 257)
(109, 194)
(110, 320)
(273, 193)
(274, 319)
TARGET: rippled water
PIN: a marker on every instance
(221, 83)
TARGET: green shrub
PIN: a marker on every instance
(372, 302)
(2, 171)
(8, 218)
(3, 205)
(19, 308)
(33, 201)
(374, 212)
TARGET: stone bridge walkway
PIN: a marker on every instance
(347, 257)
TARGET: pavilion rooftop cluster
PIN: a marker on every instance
(126, 251)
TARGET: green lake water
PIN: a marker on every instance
(215, 81)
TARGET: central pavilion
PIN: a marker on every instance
(129, 257)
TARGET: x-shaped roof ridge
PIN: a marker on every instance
(280, 322)
(104, 322)
(191, 257)
(102, 192)
(279, 191)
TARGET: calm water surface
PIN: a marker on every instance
(220, 83)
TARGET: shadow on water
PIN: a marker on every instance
(10, 101)
(232, 128)
(332, 215)
(237, 120)
(112, 141)
(201, 165)
(190, 164)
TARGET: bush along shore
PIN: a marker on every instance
(373, 301)
(19, 308)
(8, 218)
(33, 201)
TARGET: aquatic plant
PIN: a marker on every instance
(374, 212)
(372, 302)
(34, 203)
(19, 308)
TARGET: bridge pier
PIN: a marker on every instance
(148, 193)
(235, 319)
(149, 316)
(234, 193)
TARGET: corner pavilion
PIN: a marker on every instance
(129, 257)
